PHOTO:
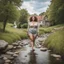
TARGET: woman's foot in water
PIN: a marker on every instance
(33, 49)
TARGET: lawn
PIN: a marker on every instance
(12, 34)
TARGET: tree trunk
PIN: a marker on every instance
(4, 24)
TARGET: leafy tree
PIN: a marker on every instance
(43, 13)
(9, 11)
(55, 12)
(23, 17)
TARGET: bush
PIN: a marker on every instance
(25, 25)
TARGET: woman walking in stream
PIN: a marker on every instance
(33, 29)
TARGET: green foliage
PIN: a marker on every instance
(12, 34)
(56, 42)
(25, 25)
(23, 16)
(9, 11)
(43, 13)
(55, 12)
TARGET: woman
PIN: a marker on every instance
(33, 30)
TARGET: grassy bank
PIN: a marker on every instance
(43, 30)
(12, 34)
(55, 41)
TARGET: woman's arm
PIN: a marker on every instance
(38, 29)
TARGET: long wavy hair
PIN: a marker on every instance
(35, 19)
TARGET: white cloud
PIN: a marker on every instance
(35, 7)
(28, 6)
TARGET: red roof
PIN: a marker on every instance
(40, 18)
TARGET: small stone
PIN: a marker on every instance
(49, 50)
(10, 47)
(25, 55)
(11, 58)
(14, 47)
(16, 52)
(15, 55)
(9, 53)
(56, 56)
(15, 44)
(18, 46)
(43, 49)
(39, 46)
(7, 61)
(1, 57)
(5, 58)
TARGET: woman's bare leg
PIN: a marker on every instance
(31, 38)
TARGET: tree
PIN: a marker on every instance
(43, 13)
(55, 12)
(23, 17)
(9, 11)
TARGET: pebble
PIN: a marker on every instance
(19, 46)
(15, 55)
(14, 47)
(16, 52)
(7, 61)
(10, 47)
(9, 53)
(1, 57)
(5, 58)
(15, 44)
(56, 56)
(43, 49)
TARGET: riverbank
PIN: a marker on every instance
(12, 34)
(55, 41)
(20, 52)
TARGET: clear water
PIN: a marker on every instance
(27, 56)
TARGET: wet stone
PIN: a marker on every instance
(5, 58)
(10, 47)
(1, 57)
(15, 44)
(18, 46)
(9, 53)
(14, 47)
(15, 55)
(43, 49)
(7, 61)
(16, 52)
(56, 56)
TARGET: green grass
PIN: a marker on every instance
(55, 42)
(12, 34)
(43, 30)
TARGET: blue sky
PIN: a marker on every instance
(35, 6)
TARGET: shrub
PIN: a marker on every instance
(25, 25)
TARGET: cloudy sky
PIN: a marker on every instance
(35, 6)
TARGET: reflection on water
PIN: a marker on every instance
(35, 57)
(32, 58)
